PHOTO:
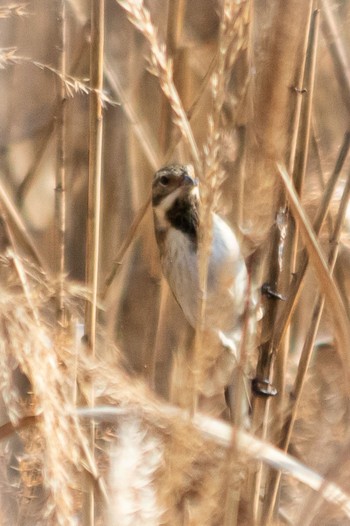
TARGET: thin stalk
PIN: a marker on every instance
(280, 325)
(140, 17)
(60, 189)
(32, 173)
(307, 350)
(289, 305)
(119, 258)
(305, 133)
(276, 269)
(305, 128)
(320, 172)
(21, 231)
(176, 11)
(300, 91)
(94, 202)
(278, 278)
(298, 159)
(337, 51)
(340, 319)
(140, 129)
(178, 60)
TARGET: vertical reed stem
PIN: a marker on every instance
(60, 189)
(308, 348)
(337, 51)
(94, 200)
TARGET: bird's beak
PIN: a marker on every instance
(188, 181)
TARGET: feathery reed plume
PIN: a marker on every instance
(231, 39)
(9, 57)
(222, 434)
(27, 342)
(159, 66)
(135, 459)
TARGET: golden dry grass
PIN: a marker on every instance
(102, 420)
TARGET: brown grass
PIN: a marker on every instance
(106, 428)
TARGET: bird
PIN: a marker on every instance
(176, 213)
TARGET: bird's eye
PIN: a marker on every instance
(164, 180)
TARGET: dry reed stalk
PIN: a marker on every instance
(305, 130)
(300, 90)
(22, 233)
(277, 67)
(140, 128)
(302, 154)
(94, 209)
(296, 284)
(326, 281)
(125, 245)
(175, 57)
(32, 173)
(337, 51)
(283, 319)
(60, 188)
(306, 354)
(286, 241)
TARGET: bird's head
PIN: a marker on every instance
(172, 182)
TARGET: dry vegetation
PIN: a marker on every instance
(98, 366)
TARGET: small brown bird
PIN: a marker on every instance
(175, 200)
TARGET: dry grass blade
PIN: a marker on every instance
(326, 281)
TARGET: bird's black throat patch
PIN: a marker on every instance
(183, 215)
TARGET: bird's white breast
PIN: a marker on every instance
(226, 282)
